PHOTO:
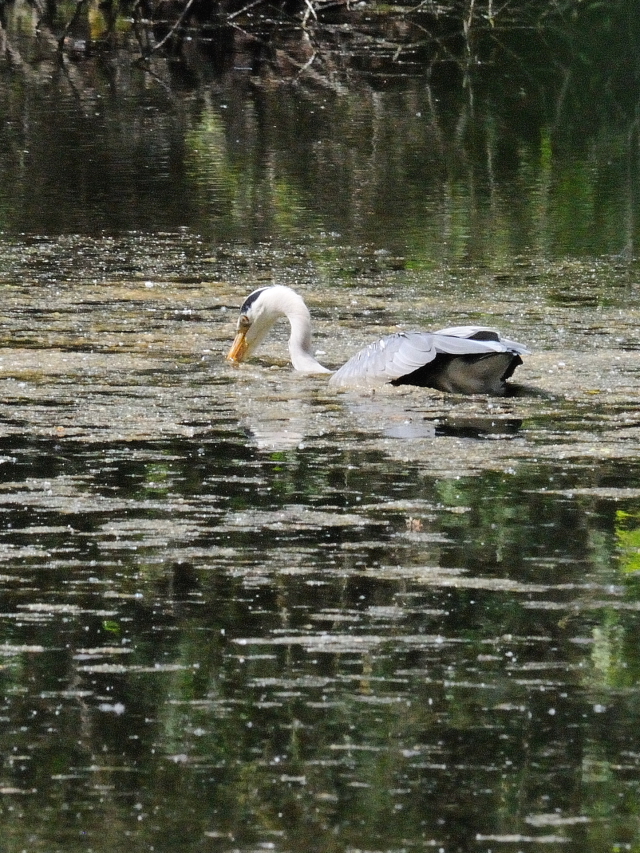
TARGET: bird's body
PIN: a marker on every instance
(463, 359)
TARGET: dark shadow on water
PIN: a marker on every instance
(474, 428)
(479, 428)
(523, 391)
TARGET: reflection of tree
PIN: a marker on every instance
(534, 146)
(286, 691)
(627, 533)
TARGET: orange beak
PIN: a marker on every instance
(238, 347)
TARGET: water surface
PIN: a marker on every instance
(243, 612)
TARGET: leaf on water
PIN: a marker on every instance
(516, 838)
(308, 681)
(6, 789)
(554, 819)
(114, 667)
(292, 517)
(344, 643)
(105, 667)
(8, 649)
(64, 609)
(615, 493)
(102, 651)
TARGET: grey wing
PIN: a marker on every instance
(500, 344)
(400, 354)
(389, 358)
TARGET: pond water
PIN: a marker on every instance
(241, 612)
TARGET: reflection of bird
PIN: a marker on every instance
(464, 359)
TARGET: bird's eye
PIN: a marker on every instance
(244, 322)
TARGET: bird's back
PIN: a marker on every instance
(461, 356)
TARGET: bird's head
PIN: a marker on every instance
(259, 312)
(240, 345)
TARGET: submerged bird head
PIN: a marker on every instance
(257, 316)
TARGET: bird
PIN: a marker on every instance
(460, 359)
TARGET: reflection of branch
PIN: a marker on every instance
(137, 19)
(319, 79)
(467, 25)
(520, 63)
(7, 51)
(41, 12)
(244, 9)
(562, 97)
(183, 15)
(301, 67)
(76, 14)
(440, 42)
(308, 11)
(308, 64)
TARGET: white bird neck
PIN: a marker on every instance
(292, 305)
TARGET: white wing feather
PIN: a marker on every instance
(504, 344)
